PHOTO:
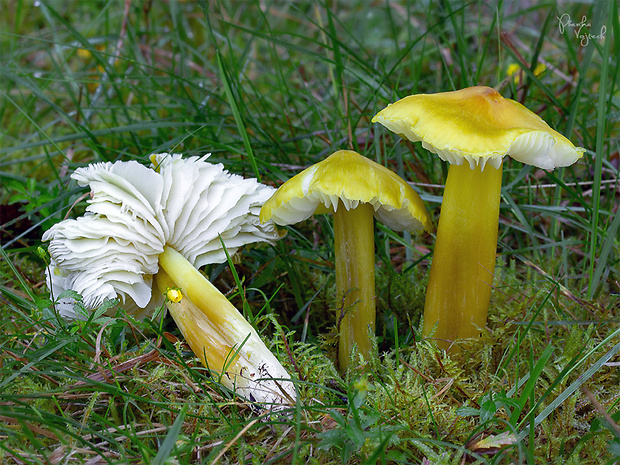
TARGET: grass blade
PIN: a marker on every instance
(583, 378)
(238, 119)
(601, 122)
(171, 438)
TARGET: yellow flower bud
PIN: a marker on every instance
(174, 295)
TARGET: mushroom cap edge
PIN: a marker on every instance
(348, 178)
(479, 126)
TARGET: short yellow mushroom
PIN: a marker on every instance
(478, 126)
(355, 189)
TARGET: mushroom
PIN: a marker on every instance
(160, 225)
(473, 129)
(354, 189)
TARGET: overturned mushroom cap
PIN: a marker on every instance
(348, 177)
(477, 124)
(188, 204)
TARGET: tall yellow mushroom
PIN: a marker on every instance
(354, 189)
(473, 129)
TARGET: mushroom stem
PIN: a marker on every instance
(212, 350)
(461, 276)
(205, 295)
(354, 242)
(264, 378)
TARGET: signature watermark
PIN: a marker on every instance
(581, 29)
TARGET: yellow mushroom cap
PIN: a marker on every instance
(353, 179)
(477, 124)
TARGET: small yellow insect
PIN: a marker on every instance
(174, 295)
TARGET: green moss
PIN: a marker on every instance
(28, 388)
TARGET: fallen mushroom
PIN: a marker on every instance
(478, 126)
(162, 224)
(354, 189)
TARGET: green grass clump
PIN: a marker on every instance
(269, 88)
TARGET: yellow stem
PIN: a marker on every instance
(461, 276)
(213, 350)
(355, 280)
(222, 314)
(216, 331)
